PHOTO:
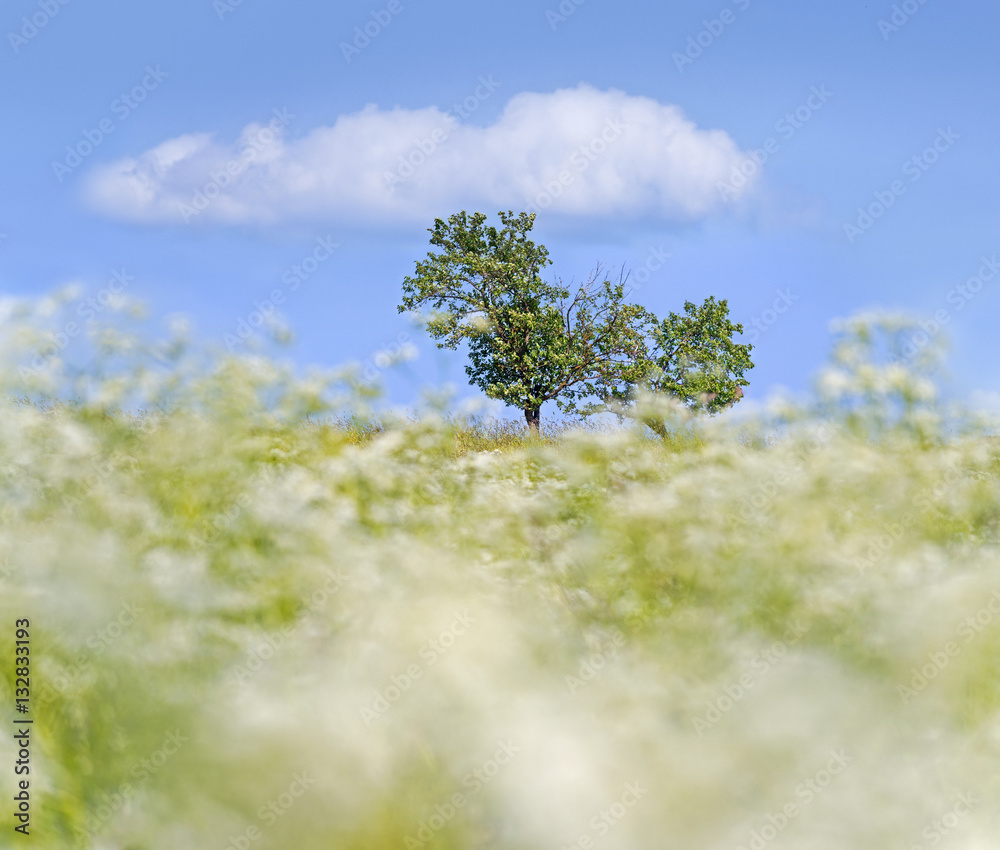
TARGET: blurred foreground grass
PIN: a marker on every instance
(263, 617)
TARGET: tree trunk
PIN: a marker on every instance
(533, 416)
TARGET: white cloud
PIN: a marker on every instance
(577, 152)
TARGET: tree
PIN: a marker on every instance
(694, 359)
(531, 341)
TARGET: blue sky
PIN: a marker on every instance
(119, 114)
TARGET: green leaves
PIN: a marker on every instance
(531, 342)
(480, 270)
(697, 360)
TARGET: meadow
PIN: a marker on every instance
(263, 615)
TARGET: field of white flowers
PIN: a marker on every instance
(779, 632)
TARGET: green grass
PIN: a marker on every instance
(476, 433)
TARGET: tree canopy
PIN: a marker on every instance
(530, 341)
